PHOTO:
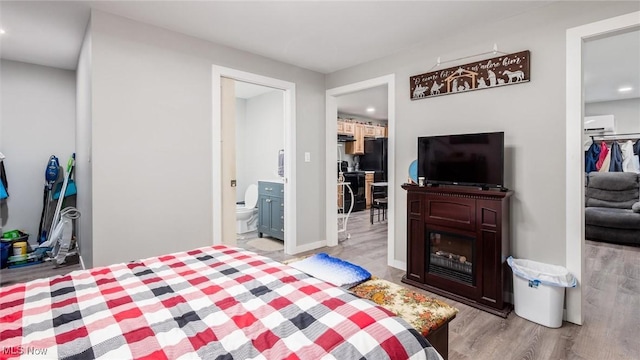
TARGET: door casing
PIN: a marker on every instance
(332, 154)
(574, 219)
(289, 88)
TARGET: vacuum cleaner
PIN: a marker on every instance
(51, 174)
(60, 243)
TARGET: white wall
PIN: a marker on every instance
(262, 136)
(532, 115)
(83, 171)
(625, 112)
(38, 120)
(152, 138)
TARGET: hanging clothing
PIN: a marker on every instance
(591, 157)
(616, 158)
(636, 147)
(604, 151)
(606, 163)
(3, 182)
(3, 192)
(628, 158)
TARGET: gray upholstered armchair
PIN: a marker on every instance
(612, 207)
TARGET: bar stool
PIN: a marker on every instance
(381, 205)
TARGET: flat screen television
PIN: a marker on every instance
(465, 159)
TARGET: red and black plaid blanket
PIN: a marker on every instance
(214, 302)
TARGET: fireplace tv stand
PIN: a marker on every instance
(458, 243)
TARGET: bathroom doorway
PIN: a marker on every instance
(242, 149)
(259, 148)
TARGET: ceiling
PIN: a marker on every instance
(610, 63)
(356, 103)
(324, 36)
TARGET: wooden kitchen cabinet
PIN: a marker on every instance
(370, 130)
(380, 132)
(368, 180)
(375, 131)
(348, 128)
(345, 128)
(356, 147)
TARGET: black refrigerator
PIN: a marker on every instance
(375, 157)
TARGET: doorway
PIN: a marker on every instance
(575, 239)
(259, 145)
(331, 143)
(224, 186)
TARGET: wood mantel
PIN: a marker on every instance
(482, 217)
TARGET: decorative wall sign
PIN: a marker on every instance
(502, 70)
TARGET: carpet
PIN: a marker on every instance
(266, 244)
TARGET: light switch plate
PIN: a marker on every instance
(307, 157)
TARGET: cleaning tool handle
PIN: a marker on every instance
(71, 162)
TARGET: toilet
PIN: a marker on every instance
(247, 214)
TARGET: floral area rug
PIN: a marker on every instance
(424, 313)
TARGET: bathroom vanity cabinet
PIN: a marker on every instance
(271, 209)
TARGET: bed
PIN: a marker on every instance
(215, 302)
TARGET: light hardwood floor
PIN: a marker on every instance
(32, 272)
(611, 291)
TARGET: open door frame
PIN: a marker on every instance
(289, 88)
(332, 155)
(575, 153)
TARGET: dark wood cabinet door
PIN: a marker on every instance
(415, 238)
(490, 257)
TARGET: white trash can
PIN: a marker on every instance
(538, 291)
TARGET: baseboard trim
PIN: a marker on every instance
(401, 265)
(309, 247)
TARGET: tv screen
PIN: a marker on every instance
(467, 159)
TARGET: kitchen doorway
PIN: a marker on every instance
(224, 147)
(332, 152)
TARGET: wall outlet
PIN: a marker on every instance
(307, 157)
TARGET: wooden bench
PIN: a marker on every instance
(427, 315)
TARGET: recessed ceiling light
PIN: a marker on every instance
(625, 89)
(2, 31)
(371, 109)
